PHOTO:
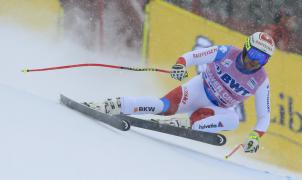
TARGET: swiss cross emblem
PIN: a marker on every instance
(267, 38)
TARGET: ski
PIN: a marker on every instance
(121, 124)
(205, 137)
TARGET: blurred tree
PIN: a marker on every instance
(282, 28)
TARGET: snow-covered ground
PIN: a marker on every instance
(41, 139)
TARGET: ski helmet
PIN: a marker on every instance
(259, 47)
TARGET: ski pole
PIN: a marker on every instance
(95, 65)
(233, 151)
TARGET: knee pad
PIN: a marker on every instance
(171, 101)
(200, 114)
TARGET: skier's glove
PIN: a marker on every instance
(179, 72)
(251, 144)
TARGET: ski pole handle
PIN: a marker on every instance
(95, 65)
(233, 151)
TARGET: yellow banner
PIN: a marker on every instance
(35, 14)
(172, 31)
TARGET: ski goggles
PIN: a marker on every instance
(255, 54)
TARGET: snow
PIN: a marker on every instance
(42, 139)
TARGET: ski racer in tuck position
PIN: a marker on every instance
(231, 76)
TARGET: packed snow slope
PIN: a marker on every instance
(42, 139)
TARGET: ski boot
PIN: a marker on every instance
(177, 122)
(109, 106)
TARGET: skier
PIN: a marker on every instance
(231, 76)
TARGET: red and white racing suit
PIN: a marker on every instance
(209, 98)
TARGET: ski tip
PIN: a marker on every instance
(221, 139)
(126, 125)
(62, 98)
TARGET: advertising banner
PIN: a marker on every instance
(171, 32)
(35, 14)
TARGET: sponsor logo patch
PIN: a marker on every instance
(231, 82)
(266, 38)
(144, 109)
(185, 97)
(252, 83)
(212, 125)
(206, 53)
(223, 49)
(268, 99)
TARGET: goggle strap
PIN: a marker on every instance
(247, 44)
